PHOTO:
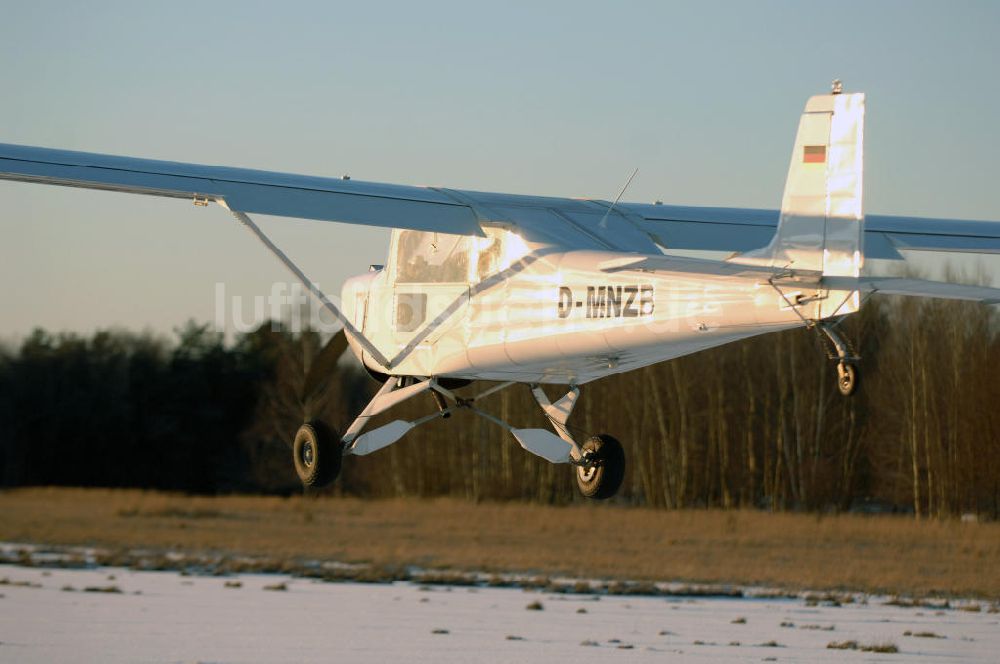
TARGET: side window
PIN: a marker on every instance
(490, 258)
(497, 251)
(423, 257)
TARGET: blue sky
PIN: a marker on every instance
(553, 98)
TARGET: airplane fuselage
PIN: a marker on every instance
(554, 316)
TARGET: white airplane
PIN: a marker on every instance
(532, 290)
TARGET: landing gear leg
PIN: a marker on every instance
(847, 371)
(599, 464)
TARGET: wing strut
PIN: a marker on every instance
(308, 283)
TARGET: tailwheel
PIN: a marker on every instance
(847, 378)
(317, 454)
(847, 372)
(603, 468)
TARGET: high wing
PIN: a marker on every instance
(744, 229)
(245, 190)
(570, 222)
(562, 221)
(685, 265)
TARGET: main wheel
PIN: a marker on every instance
(604, 476)
(847, 378)
(317, 454)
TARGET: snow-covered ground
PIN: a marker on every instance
(49, 616)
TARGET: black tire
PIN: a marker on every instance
(847, 378)
(602, 480)
(317, 455)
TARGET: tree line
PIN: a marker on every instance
(756, 424)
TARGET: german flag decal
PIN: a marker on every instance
(814, 154)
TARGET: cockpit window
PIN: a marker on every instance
(423, 257)
(429, 258)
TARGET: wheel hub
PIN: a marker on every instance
(308, 454)
(587, 467)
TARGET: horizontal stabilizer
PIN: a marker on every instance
(916, 288)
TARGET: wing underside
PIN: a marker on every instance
(739, 230)
(325, 199)
(563, 221)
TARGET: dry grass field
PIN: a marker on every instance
(878, 554)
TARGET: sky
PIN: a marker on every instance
(559, 98)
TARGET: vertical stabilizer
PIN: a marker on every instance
(822, 217)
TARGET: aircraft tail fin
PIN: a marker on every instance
(822, 217)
